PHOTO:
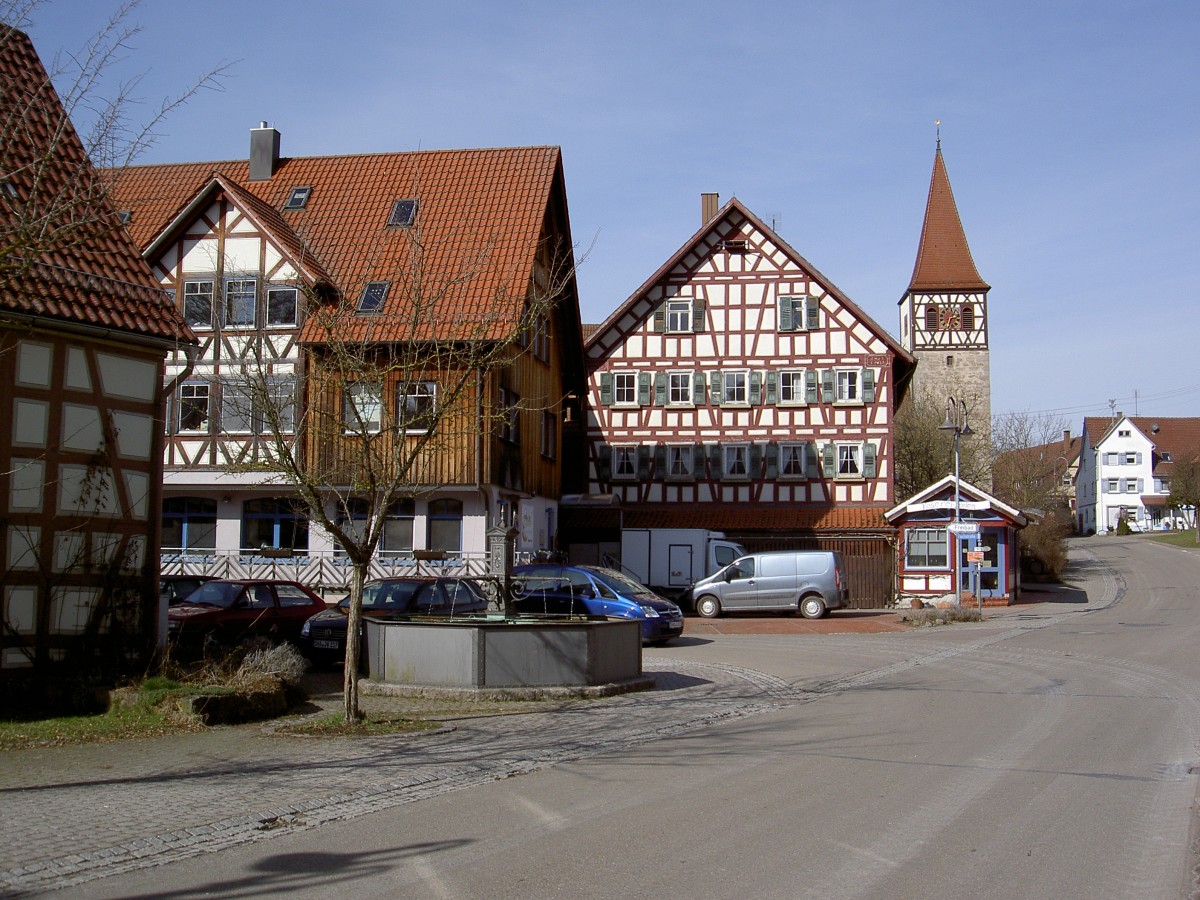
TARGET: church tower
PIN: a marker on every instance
(944, 313)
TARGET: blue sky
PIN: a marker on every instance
(1071, 132)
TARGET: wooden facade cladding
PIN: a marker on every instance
(738, 342)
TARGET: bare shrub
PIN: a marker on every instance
(282, 661)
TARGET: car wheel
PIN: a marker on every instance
(708, 607)
(812, 607)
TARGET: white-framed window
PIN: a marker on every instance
(679, 388)
(847, 386)
(679, 316)
(1113, 486)
(283, 301)
(792, 462)
(680, 461)
(416, 406)
(733, 388)
(791, 387)
(237, 406)
(736, 461)
(798, 313)
(1131, 459)
(240, 296)
(926, 548)
(193, 406)
(1131, 485)
(281, 400)
(362, 407)
(1124, 432)
(198, 303)
(625, 388)
(624, 463)
(849, 461)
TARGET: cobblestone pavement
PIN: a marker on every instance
(73, 814)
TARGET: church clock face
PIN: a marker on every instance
(949, 318)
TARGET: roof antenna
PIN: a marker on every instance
(937, 123)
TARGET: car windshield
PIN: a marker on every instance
(620, 583)
(217, 593)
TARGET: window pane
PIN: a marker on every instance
(198, 303)
(239, 302)
(281, 305)
(193, 407)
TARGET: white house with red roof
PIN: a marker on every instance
(1125, 471)
(425, 249)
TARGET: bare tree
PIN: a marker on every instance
(925, 451)
(1185, 491)
(402, 394)
(1032, 473)
(66, 206)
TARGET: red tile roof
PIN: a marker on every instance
(742, 519)
(1178, 437)
(943, 258)
(88, 271)
(468, 256)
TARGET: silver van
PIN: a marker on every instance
(809, 581)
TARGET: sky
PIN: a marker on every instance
(1070, 131)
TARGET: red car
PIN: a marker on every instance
(230, 612)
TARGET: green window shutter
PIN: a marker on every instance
(698, 391)
(812, 313)
(828, 460)
(643, 462)
(697, 461)
(772, 460)
(660, 389)
(715, 388)
(698, 308)
(827, 385)
(604, 464)
(606, 389)
(756, 457)
(715, 469)
(643, 388)
(808, 459)
(659, 322)
(772, 388)
(869, 460)
(755, 388)
(810, 386)
(785, 314)
(868, 385)
(660, 462)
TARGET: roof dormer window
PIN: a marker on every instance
(403, 213)
(298, 198)
(373, 295)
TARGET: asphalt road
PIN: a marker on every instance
(1045, 753)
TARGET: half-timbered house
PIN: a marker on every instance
(279, 263)
(84, 333)
(739, 389)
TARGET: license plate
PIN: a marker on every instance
(326, 645)
(675, 626)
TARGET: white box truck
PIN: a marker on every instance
(671, 560)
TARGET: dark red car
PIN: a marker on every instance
(231, 612)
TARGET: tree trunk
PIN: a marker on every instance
(350, 709)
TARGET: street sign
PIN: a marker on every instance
(964, 527)
(974, 556)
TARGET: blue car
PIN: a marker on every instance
(554, 590)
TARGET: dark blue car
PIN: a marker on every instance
(547, 589)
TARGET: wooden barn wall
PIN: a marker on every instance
(870, 561)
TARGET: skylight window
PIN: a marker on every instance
(298, 198)
(125, 216)
(373, 296)
(9, 189)
(403, 213)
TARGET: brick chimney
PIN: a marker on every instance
(1066, 438)
(709, 204)
(264, 152)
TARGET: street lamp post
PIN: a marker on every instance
(958, 422)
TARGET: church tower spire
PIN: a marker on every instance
(944, 312)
